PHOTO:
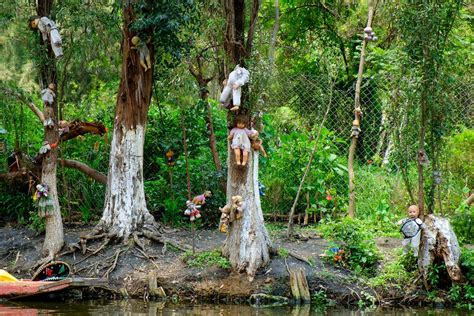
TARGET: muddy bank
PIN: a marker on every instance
(128, 268)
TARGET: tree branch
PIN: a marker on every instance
(35, 110)
(94, 174)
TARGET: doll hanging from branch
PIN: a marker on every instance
(237, 78)
(49, 30)
(239, 136)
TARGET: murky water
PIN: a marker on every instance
(137, 307)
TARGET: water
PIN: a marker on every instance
(140, 308)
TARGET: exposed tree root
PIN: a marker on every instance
(106, 274)
(96, 251)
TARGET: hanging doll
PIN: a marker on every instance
(170, 159)
(140, 46)
(231, 212)
(48, 95)
(239, 136)
(201, 199)
(45, 203)
(237, 78)
(46, 146)
(257, 144)
(192, 210)
(49, 30)
(410, 228)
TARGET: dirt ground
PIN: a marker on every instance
(128, 269)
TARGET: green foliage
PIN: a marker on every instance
(15, 206)
(283, 252)
(206, 259)
(467, 264)
(397, 273)
(351, 235)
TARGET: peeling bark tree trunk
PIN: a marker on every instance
(54, 236)
(248, 244)
(125, 210)
(357, 116)
(438, 244)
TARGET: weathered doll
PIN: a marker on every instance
(239, 136)
(144, 52)
(257, 144)
(231, 212)
(201, 199)
(237, 78)
(48, 95)
(49, 30)
(192, 210)
(410, 228)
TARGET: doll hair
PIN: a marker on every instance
(30, 21)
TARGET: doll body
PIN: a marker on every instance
(232, 87)
(48, 95)
(410, 228)
(201, 199)
(192, 210)
(49, 30)
(143, 51)
(241, 142)
(231, 212)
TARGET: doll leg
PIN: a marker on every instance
(415, 244)
(148, 61)
(406, 245)
(245, 157)
(236, 93)
(237, 156)
(142, 63)
(225, 96)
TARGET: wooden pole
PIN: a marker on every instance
(357, 117)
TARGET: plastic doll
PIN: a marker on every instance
(140, 46)
(49, 30)
(239, 136)
(192, 211)
(410, 228)
(237, 78)
(48, 95)
(201, 199)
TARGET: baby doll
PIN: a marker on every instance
(239, 136)
(49, 30)
(410, 228)
(257, 145)
(145, 60)
(231, 212)
(201, 199)
(237, 78)
(48, 95)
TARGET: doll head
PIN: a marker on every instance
(413, 211)
(135, 40)
(240, 122)
(33, 22)
(52, 86)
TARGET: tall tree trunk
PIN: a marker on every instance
(421, 151)
(247, 244)
(357, 117)
(125, 210)
(54, 237)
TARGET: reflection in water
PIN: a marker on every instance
(140, 308)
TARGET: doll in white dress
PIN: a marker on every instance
(48, 30)
(240, 137)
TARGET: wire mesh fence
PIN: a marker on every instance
(386, 151)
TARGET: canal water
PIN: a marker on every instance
(138, 307)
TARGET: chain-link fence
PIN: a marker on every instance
(386, 151)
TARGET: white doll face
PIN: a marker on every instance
(413, 211)
(240, 125)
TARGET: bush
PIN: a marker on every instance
(467, 264)
(351, 235)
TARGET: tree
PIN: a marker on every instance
(247, 245)
(149, 28)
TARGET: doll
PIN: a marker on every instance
(237, 78)
(239, 136)
(140, 46)
(231, 212)
(45, 203)
(201, 199)
(410, 228)
(192, 211)
(257, 145)
(48, 95)
(49, 30)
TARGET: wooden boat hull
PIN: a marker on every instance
(29, 288)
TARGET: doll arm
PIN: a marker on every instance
(231, 134)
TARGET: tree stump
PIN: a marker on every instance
(438, 244)
(299, 286)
